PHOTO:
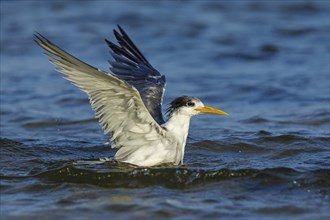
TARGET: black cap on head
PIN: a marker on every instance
(180, 102)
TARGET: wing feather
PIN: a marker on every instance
(129, 64)
(117, 104)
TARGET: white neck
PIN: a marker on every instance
(178, 126)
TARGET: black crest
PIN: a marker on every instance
(180, 102)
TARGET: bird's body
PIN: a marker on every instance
(128, 103)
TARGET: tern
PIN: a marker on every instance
(128, 100)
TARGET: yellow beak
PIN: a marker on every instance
(210, 110)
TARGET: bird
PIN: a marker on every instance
(127, 102)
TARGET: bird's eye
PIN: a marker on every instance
(191, 104)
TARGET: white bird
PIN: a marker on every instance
(127, 102)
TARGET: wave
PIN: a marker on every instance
(60, 164)
(113, 174)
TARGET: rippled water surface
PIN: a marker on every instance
(264, 62)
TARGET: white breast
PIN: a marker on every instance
(178, 126)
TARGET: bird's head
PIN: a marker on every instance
(190, 106)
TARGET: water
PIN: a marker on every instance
(264, 62)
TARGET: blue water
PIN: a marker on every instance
(266, 63)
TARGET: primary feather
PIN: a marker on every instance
(130, 65)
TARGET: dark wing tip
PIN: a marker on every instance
(36, 33)
(121, 30)
(40, 39)
(109, 43)
(39, 36)
(119, 27)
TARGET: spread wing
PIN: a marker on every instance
(130, 65)
(118, 105)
